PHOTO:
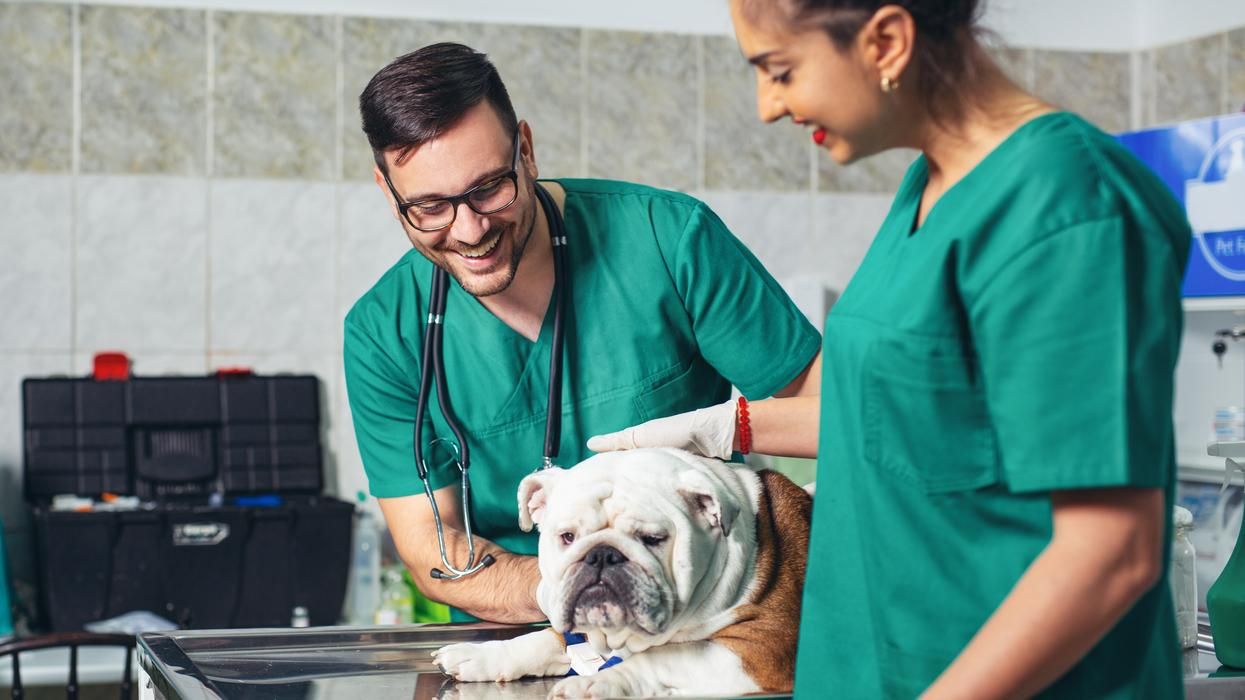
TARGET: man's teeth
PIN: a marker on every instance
(482, 250)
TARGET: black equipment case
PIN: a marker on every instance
(233, 530)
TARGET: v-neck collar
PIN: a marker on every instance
(920, 175)
(481, 314)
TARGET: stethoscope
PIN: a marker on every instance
(432, 365)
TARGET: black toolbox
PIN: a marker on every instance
(233, 529)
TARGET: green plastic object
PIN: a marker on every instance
(1225, 604)
(425, 610)
(6, 620)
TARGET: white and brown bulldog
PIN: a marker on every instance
(689, 569)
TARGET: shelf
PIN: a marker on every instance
(1215, 304)
(1228, 450)
(1201, 474)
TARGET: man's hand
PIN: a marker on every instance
(502, 592)
(707, 431)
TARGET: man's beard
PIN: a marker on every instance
(483, 288)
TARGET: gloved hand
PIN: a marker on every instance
(708, 431)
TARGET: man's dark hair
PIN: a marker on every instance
(418, 95)
(946, 36)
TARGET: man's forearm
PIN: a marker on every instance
(504, 591)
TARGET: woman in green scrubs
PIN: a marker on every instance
(995, 455)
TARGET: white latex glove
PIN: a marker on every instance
(707, 431)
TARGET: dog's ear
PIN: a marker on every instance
(534, 495)
(705, 504)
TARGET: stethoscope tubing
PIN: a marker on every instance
(553, 417)
(432, 371)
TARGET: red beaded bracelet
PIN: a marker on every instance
(743, 427)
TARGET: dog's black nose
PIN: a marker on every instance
(604, 555)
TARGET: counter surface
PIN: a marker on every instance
(337, 663)
(384, 663)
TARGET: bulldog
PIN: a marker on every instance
(688, 569)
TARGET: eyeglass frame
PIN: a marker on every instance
(462, 198)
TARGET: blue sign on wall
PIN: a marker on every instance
(1203, 162)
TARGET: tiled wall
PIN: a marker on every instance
(192, 186)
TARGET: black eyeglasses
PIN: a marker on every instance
(429, 215)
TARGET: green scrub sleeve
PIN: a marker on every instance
(1075, 335)
(745, 324)
(382, 406)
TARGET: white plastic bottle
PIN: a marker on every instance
(365, 566)
(1183, 577)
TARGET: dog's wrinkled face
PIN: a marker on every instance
(627, 538)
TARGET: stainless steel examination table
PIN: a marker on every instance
(337, 663)
(383, 663)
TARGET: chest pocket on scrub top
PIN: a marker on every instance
(676, 390)
(925, 415)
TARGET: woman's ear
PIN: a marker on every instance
(887, 41)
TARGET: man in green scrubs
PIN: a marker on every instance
(666, 311)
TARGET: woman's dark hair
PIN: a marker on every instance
(945, 45)
(418, 95)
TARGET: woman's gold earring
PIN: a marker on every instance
(889, 84)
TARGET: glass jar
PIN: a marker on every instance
(1184, 577)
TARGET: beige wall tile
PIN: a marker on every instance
(643, 102)
(541, 69)
(274, 102)
(1144, 96)
(36, 79)
(1188, 80)
(1097, 86)
(144, 90)
(740, 151)
(1234, 101)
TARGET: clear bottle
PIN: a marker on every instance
(397, 606)
(299, 617)
(1184, 577)
(364, 597)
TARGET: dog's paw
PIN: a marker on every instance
(600, 685)
(486, 661)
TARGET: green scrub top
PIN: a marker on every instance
(1021, 341)
(667, 310)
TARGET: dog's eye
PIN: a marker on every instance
(652, 540)
(568, 537)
